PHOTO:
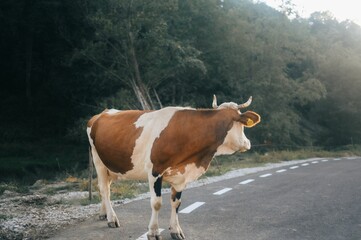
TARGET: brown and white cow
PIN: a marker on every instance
(173, 144)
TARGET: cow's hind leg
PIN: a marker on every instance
(103, 211)
(175, 230)
(155, 187)
(104, 181)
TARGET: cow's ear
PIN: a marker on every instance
(249, 119)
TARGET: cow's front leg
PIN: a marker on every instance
(175, 201)
(155, 188)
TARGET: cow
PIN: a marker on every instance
(173, 144)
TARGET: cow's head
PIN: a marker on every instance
(236, 140)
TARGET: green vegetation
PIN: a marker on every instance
(128, 189)
(65, 60)
(14, 187)
(28, 162)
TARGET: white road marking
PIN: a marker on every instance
(351, 158)
(265, 175)
(337, 159)
(247, 181)
(324, 160)
(314, 162)
(294, 167)
(224, 190)
(282, 170)
(305, 164)
(144, 236)
(192, 207)
(112, 111)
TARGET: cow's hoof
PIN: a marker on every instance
(177, 236)
(157, 237)
(103, 217)
(113, 224)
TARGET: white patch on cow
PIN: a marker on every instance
(88, 131)
(230, 105)
(180, 180)
(156, 203)
(112, 111)
(235, 140)
(153, 123)
(96, 159)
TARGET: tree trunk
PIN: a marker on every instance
(140, 96)
(158, 99)
(140, 89)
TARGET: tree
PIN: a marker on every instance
(133, 46)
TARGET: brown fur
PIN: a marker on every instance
(114, 138)
(191, 137)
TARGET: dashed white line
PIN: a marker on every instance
(265, 175)
(224, 190)
(324, 160)
(144, 236)
(337, 159)
(314, 162)
(305, 164)
(294, 167)
(247, 181)
(282, 170)
(192, 207)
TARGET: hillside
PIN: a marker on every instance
(63, 61)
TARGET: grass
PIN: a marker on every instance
(25, 162)
(13, 187)
(128, 189)
(86, 201)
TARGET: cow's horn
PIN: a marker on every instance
(214, 104)
(246, 104)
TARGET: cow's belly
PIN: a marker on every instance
(139, 172)
(180, 177)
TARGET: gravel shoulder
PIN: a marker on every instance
(39, 215)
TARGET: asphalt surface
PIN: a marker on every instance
(318, 201)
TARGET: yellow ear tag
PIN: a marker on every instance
(249, 122)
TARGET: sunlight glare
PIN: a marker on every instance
(341, 10)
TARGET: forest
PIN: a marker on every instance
(63, 61)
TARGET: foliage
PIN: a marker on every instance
(64, 61)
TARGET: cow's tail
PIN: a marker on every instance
(90, 168)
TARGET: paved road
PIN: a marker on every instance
(318, 201)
